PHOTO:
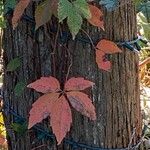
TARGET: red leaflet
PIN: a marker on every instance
(101, 61)
(55, 104)
(108, 47)
(19, 10)
(61, 118)
(82, 103)
(96, 17)
(42, 108)
(45, 85)
(77, 84)
(105, 47)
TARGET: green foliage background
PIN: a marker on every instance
(2, 22)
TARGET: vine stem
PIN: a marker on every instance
(89, 38)
(69, 68)
(91, 41)
(70, 65)
(54, 50)
(44, 145)
(56, 38)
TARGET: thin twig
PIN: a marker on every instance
(56, 38)
(89, 38)
(44, 145)
(69, 55)
(54, 50)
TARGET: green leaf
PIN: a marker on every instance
(137, 2)
(19, 88)
(64, 9)
(14, 64)
(82, 7)
(74, 22)
(73, 12)
(9, 4)
(144, 7)
(44, 11)
(19, 128)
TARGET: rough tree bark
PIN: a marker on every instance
(115, 95)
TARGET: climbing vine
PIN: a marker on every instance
(72, 13)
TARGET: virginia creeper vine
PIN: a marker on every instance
(55, 97)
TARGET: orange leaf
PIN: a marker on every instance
(77, 84)
(82, 103)
(101, 62)
(61, 118)
(42, 108)
(108, 47)
(45, 85)
(96, 17)
(19, 10)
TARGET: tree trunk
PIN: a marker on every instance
(115, 94)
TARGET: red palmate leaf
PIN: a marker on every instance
(61, 118)
(101, 61)
(108, 47)
(77, 84)
(82, 103)
(42, 108)
(45, 85)
(58, 107)
(96, 16)
(19, 10)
